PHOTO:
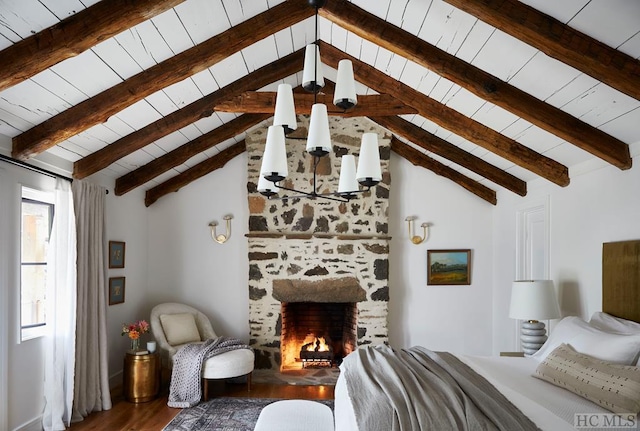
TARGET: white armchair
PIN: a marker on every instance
(174, 325)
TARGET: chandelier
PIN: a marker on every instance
(274, 162)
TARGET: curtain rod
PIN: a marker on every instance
(33, 168)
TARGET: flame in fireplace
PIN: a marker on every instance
(318, 344)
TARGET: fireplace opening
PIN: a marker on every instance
(317, 334)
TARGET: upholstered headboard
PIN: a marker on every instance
(621, 279)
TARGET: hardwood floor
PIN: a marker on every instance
(155, 415)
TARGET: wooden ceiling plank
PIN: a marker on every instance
(183, 153)
(418, 158)
(559, 41)
(265, 101)
(439, 146)
(74, 35)
(451, 119)
(99, 108)
(479, 82)
(191, 113)
(198, 171)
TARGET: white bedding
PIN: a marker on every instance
(550, 407)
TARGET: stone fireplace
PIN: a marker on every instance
(317, 269)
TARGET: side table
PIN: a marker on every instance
(141, 377)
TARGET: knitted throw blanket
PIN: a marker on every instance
(185, 390)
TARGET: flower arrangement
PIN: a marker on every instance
(134, 331)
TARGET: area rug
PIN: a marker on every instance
(223, 414)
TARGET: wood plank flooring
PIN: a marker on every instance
(155, 415)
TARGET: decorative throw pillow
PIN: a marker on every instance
(613, 386)
(179, 328)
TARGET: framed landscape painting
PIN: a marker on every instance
(448, 267)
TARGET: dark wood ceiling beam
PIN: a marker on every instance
(74, 35)
(439, 146)
(191, 113)
(99, 108)
(451, 119)
(265, 102)
(418, 158)
(477, 81)
(559, 41)
(198, 171)
(183, 153)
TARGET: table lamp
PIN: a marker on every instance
(531, 301)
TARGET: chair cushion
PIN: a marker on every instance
(233, 363)
(179, 328)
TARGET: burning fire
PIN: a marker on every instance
(319, 344)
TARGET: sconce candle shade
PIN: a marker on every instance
(285, 112)
(319, 139)
(274, 161)
(369, 172)
(312, 76)
(348, 183)
(344, 95)
(266, 187)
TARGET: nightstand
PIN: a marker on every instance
(513, 354)
(141, 377)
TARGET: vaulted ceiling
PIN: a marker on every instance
(489, 94)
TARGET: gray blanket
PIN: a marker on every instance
(417, 389)
(185, 390)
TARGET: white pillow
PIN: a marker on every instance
(616, 325)
(179, 328)
(587, 339)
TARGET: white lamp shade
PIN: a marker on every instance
(274, 160)
(319, 139)
(534, 300)
(267, 187)
(369, 172)
(348, 181)
(285, 111)
(312, 79)
(345, 92)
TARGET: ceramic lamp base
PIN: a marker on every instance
(532, 336)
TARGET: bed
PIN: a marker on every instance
(398, 394)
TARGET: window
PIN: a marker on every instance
(37, 218)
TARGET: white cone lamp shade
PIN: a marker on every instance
(369, 172)
(319, 138)
(348, 184)
(285, 111)
(312, 79)
(266, 187)
(345, 93)
(274, 160)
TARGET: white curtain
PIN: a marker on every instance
(91, 391)
(61, 313)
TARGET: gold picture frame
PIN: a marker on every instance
(449, 267)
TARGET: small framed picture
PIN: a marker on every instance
(448, 267)
(116, 290)
(116, 254)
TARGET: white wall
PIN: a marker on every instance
(452, 318)
(597, 207)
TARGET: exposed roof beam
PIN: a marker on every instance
(559, 41)
(74, 35)
(183, 153)
(191, 113)
(265, 102)
(201, 169)
(451, 119)
(99, 108)
(439, 146)
(477, 81)
(418, 158)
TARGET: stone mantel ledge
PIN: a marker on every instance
(305, 236)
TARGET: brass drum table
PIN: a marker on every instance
(141, 375)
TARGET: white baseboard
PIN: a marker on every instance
(33, 425)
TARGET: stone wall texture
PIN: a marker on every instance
(317, 240)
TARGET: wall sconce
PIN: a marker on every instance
(415, 238)
(221, 239)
